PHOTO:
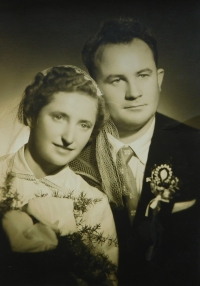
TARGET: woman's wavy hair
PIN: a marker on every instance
(66, 79)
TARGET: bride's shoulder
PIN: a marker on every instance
(4, 167)
(79, 185)
(6, 158)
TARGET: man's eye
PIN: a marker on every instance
(143, 75)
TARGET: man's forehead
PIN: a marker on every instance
(111, 46)
(122, 55)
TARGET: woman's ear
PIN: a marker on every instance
(29, 122)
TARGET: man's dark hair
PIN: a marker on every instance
(117, 31)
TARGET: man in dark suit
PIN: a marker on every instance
(154, 192)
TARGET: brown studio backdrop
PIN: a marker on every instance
(35, 35)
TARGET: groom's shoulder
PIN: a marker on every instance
(174, 135)
(164, 122)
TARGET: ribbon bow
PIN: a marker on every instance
(153, 203)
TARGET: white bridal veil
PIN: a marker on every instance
(13, 134)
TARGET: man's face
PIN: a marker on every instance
(63, 127)
(127, 75)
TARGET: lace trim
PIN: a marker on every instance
(32, 178)
(88, 176)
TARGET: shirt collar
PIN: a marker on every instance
(20, 166)
(139, 146)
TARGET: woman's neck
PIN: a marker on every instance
(39, 166)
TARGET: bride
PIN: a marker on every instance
(56, 229)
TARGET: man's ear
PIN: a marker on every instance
(160, 73)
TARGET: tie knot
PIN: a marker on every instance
(127, 153)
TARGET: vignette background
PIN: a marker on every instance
(35, 35)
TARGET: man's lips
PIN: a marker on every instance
(63, 147)
(134, 106)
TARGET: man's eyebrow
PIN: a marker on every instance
(122, 76)
(145, 70)
(114, 75)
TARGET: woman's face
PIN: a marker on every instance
(63, 128)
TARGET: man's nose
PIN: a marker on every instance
(133, 90)
(68, 134)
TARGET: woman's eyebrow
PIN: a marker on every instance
(60, 113)
(68, 116)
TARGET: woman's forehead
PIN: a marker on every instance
(73, 104)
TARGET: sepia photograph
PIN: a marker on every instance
(100, 143)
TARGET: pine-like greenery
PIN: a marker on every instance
(78, 248)
(8, 197)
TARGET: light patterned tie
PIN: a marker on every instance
(133, 197)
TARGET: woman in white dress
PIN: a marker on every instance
(56, 229)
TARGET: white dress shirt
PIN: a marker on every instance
(141, 148)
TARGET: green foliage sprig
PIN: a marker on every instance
(95, 268)
(78, 249)
(9, 199)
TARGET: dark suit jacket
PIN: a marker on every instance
(193, 122)
(173, 237)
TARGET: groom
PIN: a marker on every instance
(157, 219)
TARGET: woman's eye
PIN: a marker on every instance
(85, 126)
(57, 117)
(117, 80)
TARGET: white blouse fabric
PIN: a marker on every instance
(62, 184)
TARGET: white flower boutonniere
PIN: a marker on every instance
(163, 185)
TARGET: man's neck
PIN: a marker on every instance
(128, 136)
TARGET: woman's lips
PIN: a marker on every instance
(63, 147)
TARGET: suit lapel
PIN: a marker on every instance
(159, 153)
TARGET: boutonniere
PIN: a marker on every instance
(163, 185)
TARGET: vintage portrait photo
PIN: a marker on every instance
(99, 143)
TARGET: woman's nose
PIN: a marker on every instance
(68, 134)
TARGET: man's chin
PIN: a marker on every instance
(130, 126)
